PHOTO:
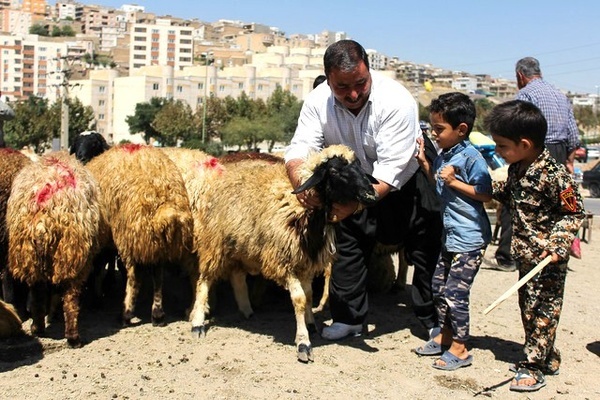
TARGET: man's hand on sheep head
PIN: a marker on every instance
(309, 199)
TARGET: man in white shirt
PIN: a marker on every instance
(378, 119)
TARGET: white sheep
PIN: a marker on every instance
(251, 222)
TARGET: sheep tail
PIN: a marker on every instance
(172, 224)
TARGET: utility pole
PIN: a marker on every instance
(66, 63)
(208, 59)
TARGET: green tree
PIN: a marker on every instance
(29, 127)
(67, 30)
(56, 31)
(283, 109)
(80, 118)
(482, 108)
(143, 118)
(175, 121)
(240, 131)
(39, 29)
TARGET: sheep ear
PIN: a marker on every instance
(313, 181)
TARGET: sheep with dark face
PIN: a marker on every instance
(251, 222)
(52, 219)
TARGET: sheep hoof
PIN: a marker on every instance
(74, 343)
(131, 321)
(305, 354)
(159, 321)
(198, 332)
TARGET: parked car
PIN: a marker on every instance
(591, 180)
(593, 152)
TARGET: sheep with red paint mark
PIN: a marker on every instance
(11, 162)
(251, 222)
(148, 215)
(52, 219)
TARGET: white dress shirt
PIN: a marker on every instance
(383, 135)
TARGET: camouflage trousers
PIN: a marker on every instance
(540, 301)
(451, 286)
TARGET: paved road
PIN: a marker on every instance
(592, 205)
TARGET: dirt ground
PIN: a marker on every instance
(256, 359)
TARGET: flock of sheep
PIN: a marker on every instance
(63, 216)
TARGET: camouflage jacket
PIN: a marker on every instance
(546, 208)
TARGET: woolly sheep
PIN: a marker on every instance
(148, 214)
(52, 220)
(11, 162)
(251, 222)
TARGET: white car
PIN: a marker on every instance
(593, 152)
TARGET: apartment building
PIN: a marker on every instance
(15, 21)
(161, 43)
(65, 10)
(36, 7)
(113, 98)
(31, 66)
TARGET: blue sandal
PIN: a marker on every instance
(524, 373)
(430, 348)
(453, 362)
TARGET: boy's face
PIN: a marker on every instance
(444, 134)
(511, 152)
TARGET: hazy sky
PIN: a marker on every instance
(476, 36)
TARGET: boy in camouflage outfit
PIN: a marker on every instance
(547, 211)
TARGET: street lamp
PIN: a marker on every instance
(208, 59)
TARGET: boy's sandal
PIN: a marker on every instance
(524, 373)
(548, 372)
(451, 362)
(431, 348)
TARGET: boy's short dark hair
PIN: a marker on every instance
(516, 120)
(456, 108)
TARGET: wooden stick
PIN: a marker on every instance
(520, 283)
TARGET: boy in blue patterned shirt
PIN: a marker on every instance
(463, 183)
(546, 211)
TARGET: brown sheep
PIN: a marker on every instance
(251, 222)
(52, 220)
(11, 162)
(148, 214)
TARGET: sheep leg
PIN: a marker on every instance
(132, 289)
(308, 313)
(201, 308)
(71, 313)
(39, 294)
(240, 291)
(325, 295)
(158, 314)
(298, 296)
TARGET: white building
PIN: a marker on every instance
(160, 44)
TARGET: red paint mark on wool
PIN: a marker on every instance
(7, 150)
(214, 164)
(132, 147)
(65, 178)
